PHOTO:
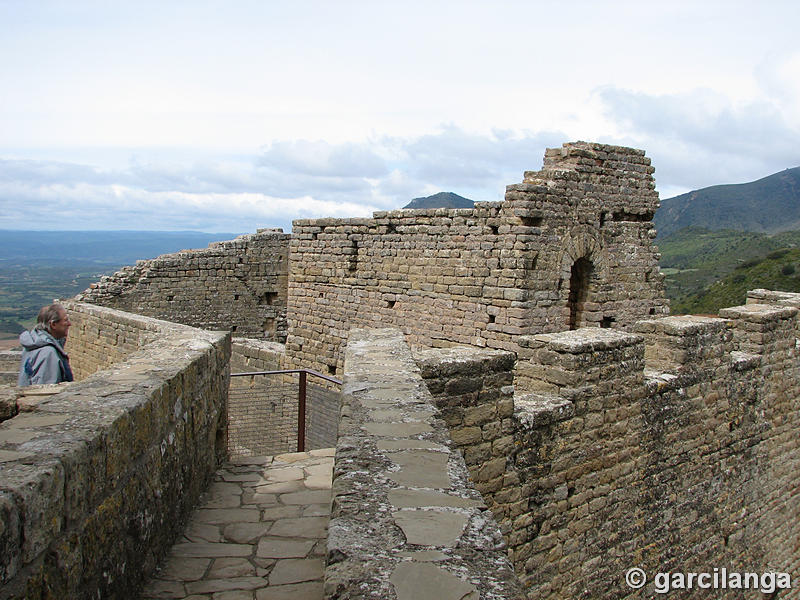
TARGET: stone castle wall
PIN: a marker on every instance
(406, 520)
(673, 448)
(262, 409)
(571, 246)
(97, 481)
(627, 440)
(9, 366)
(238, 285)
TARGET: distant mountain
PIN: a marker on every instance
(441, 200)
(769, 205)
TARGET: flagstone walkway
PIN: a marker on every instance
(259, 533)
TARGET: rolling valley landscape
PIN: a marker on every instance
(716, 243)
(38, 266)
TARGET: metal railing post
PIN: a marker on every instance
(301, 396)
(301, 413)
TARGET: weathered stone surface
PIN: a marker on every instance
(135, 446)
(208, 586)
(307, 497)
(210, 550)
(281, 547)
(414, 498)
(185, 569)
(421, 468)
(296, 570)
(617, 444)
(245, 533)
(165, 589)
(311, 590)
(431, 527)
(307, 527)
(423, 581)
(223, 568)
(484, 276)
(198, 287)
(369, 537)
(218, 516)
(261, 565)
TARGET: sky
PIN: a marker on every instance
(237, 115)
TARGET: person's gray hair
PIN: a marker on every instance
(48, 314)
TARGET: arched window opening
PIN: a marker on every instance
(579, 280)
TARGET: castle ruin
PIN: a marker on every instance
(601, 433)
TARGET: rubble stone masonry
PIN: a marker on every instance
(239, 285)
(570, 247)
(98, 476)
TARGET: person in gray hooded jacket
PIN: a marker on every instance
(43, 357)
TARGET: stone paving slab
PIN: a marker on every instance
(259, 533)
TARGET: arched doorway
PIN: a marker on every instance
(579, 290)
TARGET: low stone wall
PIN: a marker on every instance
(249, 355)
(407, 522)
(97, 481)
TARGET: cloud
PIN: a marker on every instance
(700, 138)
(287, 180)
(321, 158)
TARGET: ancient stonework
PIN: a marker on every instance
(511, 371)
(406, 523)
(97, 477)
(570, 247)
(238, 285)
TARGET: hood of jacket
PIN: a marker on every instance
(39, 338)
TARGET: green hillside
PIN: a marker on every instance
(769, 205)
(708, 270)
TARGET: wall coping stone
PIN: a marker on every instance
(67, 456)
(758, 313)
(541, 410)
(681, 325)
(586, 339)
(406, 521)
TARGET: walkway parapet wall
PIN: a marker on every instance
(9, 366)
(238, 285)
(97, 481)
(674, 448)
(407, 522)
(473, 391)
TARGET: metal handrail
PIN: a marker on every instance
(301, 397)
(309, 371)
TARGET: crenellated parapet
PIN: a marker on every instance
(657, 449)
